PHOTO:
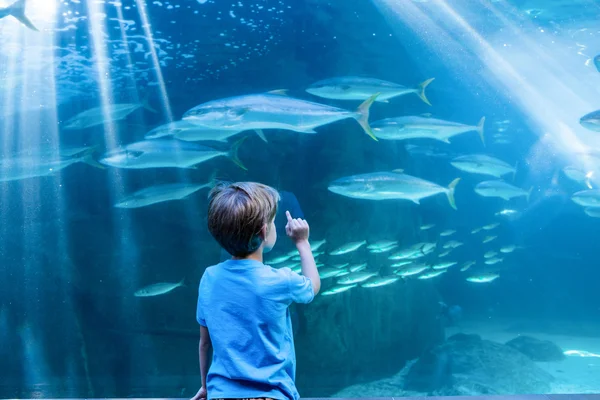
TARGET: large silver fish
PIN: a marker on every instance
(587, 198)
(273, 111)
(591, 121)
(483, 164)
(360, 88)
(390, 185)
(417, 127)
(189, 132)
(157, 289)
(160, 193)
(166, 153)
(33, 166)
(96, 116)
(17, 10)
(499, 188)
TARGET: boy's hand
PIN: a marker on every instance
(297, 229)
(201, 395)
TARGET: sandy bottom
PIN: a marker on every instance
(574, 375)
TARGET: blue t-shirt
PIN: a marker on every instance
(244, 305)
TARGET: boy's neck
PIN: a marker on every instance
(256, 256)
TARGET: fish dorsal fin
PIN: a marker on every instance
(280, 92)
(398, 171)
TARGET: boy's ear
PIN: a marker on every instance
(264, 231)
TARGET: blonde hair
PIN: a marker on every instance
(237, 212)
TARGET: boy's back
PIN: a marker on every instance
(244, 304)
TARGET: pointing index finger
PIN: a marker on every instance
(289, 216)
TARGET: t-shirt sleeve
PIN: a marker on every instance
(199, 309)
(300, 288)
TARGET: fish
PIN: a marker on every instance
(314, 246)
(357, 267)
(382, 244)
(103, 114)
(274, 111)
(476, 230)
(485, 278)
(443, 265)
(401, 264)
(592, 212)
(448, 232)
(493, 261)
(410, 271)
(467, 265)
(330, 272)
(452, 244)
(490, 254)
(432, 274)
(340, 266)
(501, 189)
(390, 186)
(445, 254)
(348, 248)
(488, 239)
(489, 227)
(428, 247)
(167, 153)
(17, 11)
(356, 277)
(587, 198)
(418, 127)
(278, 260)
(506, 213)
(343, 273)
(483, 164)
(508, 249)
(160, 193)
(426, 227)
(361, 88)
(589, 121)
(34, 166)
(578, 176)
(338, 289)
(427, 151)
(383, 249)
(189, 132)
(415, 251)
(158, 289)
(380, 281)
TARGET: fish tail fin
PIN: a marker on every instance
(450, 192)
(182, 282)
(363, 115)
(233, 154)
(17, 10)
(588, 179)
(87, 158)
(529, 194)
(261, 135)
(280, 92)
(421, 90)
(147, 106)
(514, 174)
(480, 129)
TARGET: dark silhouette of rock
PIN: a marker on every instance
(536, 349)
(469, 365)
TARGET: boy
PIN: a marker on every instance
(243, 304)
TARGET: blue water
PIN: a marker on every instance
(70, 262)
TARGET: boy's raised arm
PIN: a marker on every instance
(298, 230)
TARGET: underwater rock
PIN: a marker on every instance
(536, 349)
(469, 365)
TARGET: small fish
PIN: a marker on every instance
(452, 244)
(357, 267)
(432, 274)
(444, 254)
(348, 248)
(578, 176)
(508, 249)
(427, 248)
(443, 265)
(506, 213)
(590, 121)
(485, 278)
(274, 111)
(297, 258)
(467, 265)
(426, 227)
(278, 260)
(318, 253)
(383, 249)
(401, 264)
(343, 273)
(314, 246)
(356, 277)
(330, 272)
(360, 88)
(158, 289)
(493, 261)
(448, 232)
(501, 189)
(488, 239)
(490, 226)
(338, 289)
(160, 193)
(475, 231)
(382, 244)
(587, 198)
(166, 153)
(17, 11)
(410, 271)
(390, 186)
(418, 127)
(490, 254)
(483, 164)
(412, 252)
(381, 281)
(340, 266)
